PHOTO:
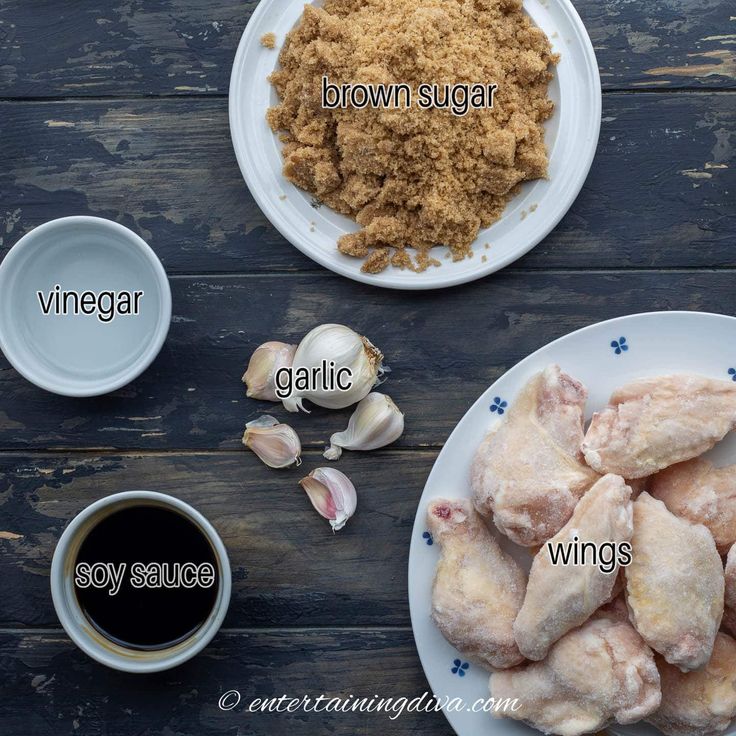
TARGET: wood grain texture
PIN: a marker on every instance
(51, 688)
(660, 193)
(444, 349)
(289, 569)
(187, 47)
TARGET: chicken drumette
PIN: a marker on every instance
(478, 589)
(529, 472)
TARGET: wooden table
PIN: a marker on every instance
(121, 112)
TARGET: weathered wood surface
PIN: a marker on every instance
(50, 688)
(655, 223)
(289, 569)
(660, 194)
(444, 349)
(186, 47)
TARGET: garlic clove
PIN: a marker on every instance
(277, 445)
(265, 361)
(332, 494)
(346, 348)
(376, 422)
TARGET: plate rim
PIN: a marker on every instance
(419, 523)
(388, 280)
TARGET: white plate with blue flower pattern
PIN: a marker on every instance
(603, 356)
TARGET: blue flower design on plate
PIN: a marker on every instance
(459, 668)
(427, 537)
(499, 405)
(732, 373)
(619, 346)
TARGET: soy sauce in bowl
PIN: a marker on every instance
(151, 578)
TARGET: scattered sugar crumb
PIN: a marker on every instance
(282, 197)
(484, 259)
(533, 208)
(268, 40)
(487, 246)
(523, 214)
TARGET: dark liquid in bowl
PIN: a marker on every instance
(147, 618)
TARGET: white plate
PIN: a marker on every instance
(572, 136)
(655, 343)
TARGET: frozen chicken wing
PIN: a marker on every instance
(478, 589)
(702, 702)
(703, 494)
(653, 423)
(595, 675)
(529, 472)
(561, 597)
(729, 608)
(674, 584)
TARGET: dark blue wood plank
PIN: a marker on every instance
(50, 688)
(444, 348)
(660, 194)
(183, 47)
(289, 569)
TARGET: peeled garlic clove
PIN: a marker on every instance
(346, 349)
(265, 361)
(376, 422)
(276, 444)
(332, 495)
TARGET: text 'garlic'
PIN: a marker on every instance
(259, 378)
(332, 495)
(276, 444)
(376, 422)
(347, 349)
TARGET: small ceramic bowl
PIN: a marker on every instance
(106, 321)
(76, 624)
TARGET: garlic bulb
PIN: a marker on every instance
(332, 495)
(262, 367)
(346, 349)
(376, 422)
(276, 444)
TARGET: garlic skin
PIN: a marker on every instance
(277, 445)
(376, 422)
(332, 494)
(347, 349)
(262, 366)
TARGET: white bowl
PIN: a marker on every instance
(81, 355)
(75, 623)
(571, 136)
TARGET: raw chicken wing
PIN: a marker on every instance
(529, 473)
(697, 491)
(561, 597)
(596, 675)
(656, 422)
(478, 589)
(729, 610)
(702, 702)
(674, 584)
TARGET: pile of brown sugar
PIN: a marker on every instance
(413, 178)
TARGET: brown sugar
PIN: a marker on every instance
(268, 40)
(413, 178)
